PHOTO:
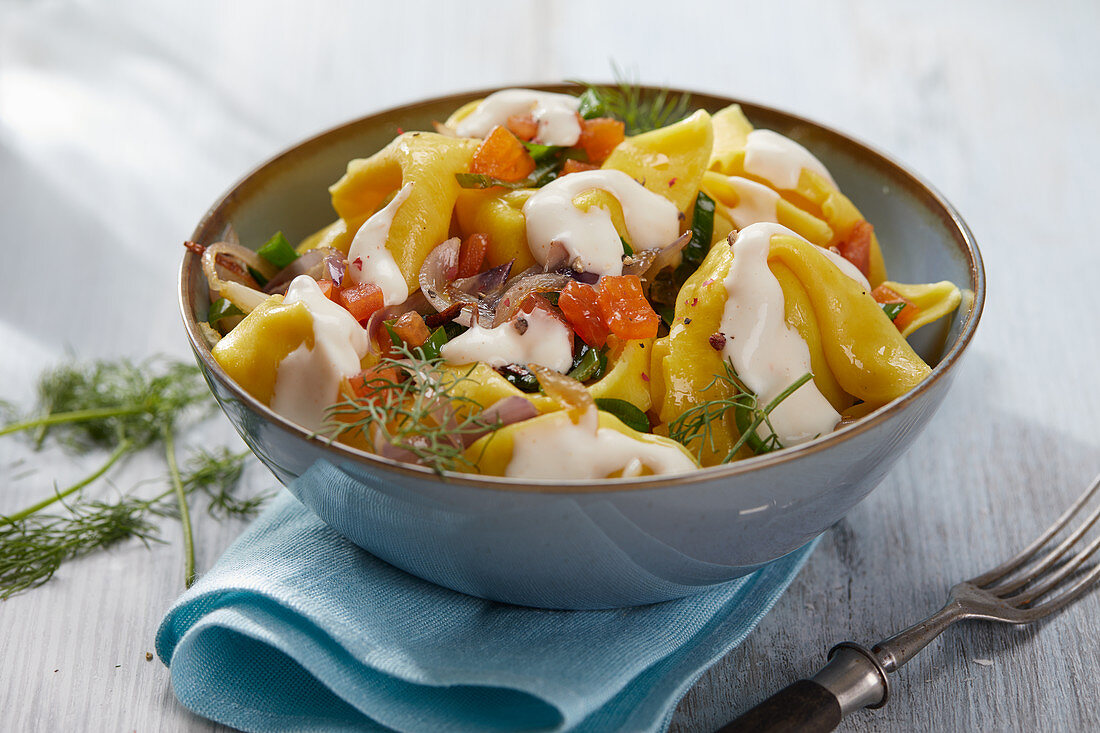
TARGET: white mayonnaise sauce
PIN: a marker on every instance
(755, 202)
(308, 380)
(767, 353)
(555, 448)
(589, 237)
(544, 340)
(369, 260)
(780, 160)
(556, 115)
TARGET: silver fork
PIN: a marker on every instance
(1025, 589)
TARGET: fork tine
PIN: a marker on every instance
(1051, 582)
(1005, 568)
(1032, 572)
(1072, 593)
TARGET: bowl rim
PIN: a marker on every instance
(974, 297)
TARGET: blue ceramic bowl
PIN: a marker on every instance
(619, 542)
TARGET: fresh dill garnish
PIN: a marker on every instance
(97, 405)
(694, 425)
(33, 548)
(124, 407)
(639, 110)
(216, 475)
(415, 406)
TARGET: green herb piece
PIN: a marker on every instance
(893, 309)
(519, 377)
(428, 350)
(453, 329)
(695, 423)
(257, 276)
(585, 363)
(591, 104)
(627, 249)
(480, 180)
(415, 413)
(222, 308)
(627, 413)
(540, 152)
(552, 296)
(278, 251)
(639, 110)
(702, 229)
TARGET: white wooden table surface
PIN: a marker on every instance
(119, 124)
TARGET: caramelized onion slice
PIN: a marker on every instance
(568, 392)
(238, 294)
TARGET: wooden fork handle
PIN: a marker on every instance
(852, 679)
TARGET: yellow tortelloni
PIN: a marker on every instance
(492, 453)
(855, 350)
(427, 160)
(251, 352)
(626, 379)
(813, 194)
(669, 161)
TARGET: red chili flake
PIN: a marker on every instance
(671, 182)
(400, 130)
(195, 247)
(693, 302)
(717, 341)
(645, 377)
(708, 281)
(358, 262)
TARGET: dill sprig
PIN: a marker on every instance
(695, 422)
(419, 411)
(87, 406)
(639, 110)
(33, 548)
(216, 474)
(124, 407)
(33, 545)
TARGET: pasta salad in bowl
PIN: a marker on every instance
(548, 300)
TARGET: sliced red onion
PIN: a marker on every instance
(503, 412)
(336, 266)
(514, 296)
(649, 262)
(243, 296)
(439, 268)
(310, 263)
(485, 284)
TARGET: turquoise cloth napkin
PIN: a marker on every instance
(297, 629)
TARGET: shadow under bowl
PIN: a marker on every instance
(597, 544)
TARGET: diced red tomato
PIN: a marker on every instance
(905, 316)
(364, 383)
(523, 126)
(625, 309)
(472, 255)
(362, 300)
(328, 288)
(412, 329)
(856, 247)
(501, 155)
(580, 305)
(599, 136)
(576, 166)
